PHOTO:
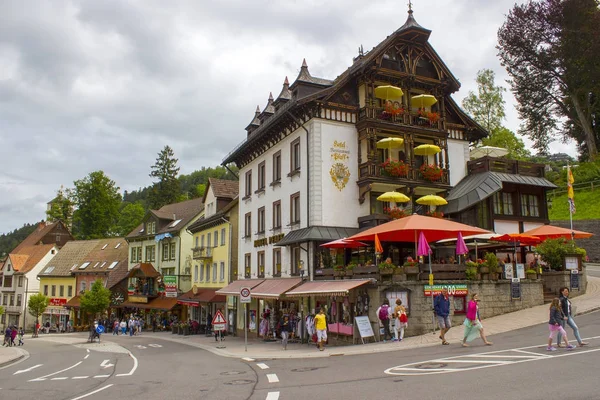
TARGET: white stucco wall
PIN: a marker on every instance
(531, 225)
(502, 227)
(458, 155)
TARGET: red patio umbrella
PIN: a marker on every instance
(523, 239)
(344, 243)
(406, 230)
(554, 232)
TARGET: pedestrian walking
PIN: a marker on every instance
(321, 327)
(13, 335)
(131, 326)
(286, 328)
(567, 310)
(554, 324)
(20, 335)
(7, 336)
(473, 326)
(401, 321)
(441, 307)
(116, 327)
(383, 313)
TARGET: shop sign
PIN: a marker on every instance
(365, 329)
(55, 301)
(453, 290)
(137, 299)
(170, 282)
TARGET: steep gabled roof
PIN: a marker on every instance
(71, 256)
(30, 256)
(115, 276)
(304, 76)
(38, 236)
(105, 256)
(224, 188)
(183, 212)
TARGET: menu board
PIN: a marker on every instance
(515, 288)
(364, 327)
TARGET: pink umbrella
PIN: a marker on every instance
(423, 248)
(461, 246)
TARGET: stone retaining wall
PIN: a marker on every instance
(591, 245)
(554, 280)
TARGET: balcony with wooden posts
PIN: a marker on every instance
(401, 116)
(506, 166)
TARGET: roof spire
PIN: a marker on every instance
(304, 64)
(410, 11)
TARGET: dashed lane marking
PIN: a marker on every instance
(273, 396)
(248, 359)
(27, 369)
(262, 366)
(60, 378)
(101, 376)
(85, 358)
(91, 393)
(80, 377)
(272, 378)
(469, 362)
(155, 345)
(41, 378)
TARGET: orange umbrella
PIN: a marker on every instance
(378, 247)
(406, 230)
(553, 232)
(523, 239)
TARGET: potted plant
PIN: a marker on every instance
(471, 272)
(435, 214)
(531, 274)
(411, 267)
(395, 212)
(433, 117)
(350, 269)
(491, 261)
(394, 167)
(386, 268)
(431, 172)
(338, 270)
(186, 329)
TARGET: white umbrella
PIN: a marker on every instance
(489, 151)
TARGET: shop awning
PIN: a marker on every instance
(316, 233)
(192, 299)
(160, 303)
(274, 288)
(211, 296)
(75, 302)
(145, 270)
(327, 288)
(233, 289)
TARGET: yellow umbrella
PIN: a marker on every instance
(426, 150)
(388, 92)
(423, 100)
(390, 143)
(394, 196)
(431, 200)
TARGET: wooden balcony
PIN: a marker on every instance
(373, 170)
(405, 118)
(506, 166)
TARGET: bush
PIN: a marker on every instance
(553, 252)
(531, 271)
(492, 263)
(385, 265)
(471, 273)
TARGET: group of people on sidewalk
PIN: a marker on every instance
(397, 315)
(11, 334)
(561, 314)
(133, 326)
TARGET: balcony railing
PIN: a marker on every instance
(506, 166)
(200, 253)
(402, 118)
(372, 169)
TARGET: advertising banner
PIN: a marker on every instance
(170, 282)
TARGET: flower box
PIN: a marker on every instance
(431, 172)
(395, 168)
(395, 212)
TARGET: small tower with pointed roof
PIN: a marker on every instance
(255, 122)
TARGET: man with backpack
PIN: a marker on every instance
(384, 313)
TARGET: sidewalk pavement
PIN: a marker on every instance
(257, 349)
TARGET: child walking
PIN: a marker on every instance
(554, 324)
(21, 334)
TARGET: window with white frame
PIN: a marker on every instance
(503, 203)
(201, 272)
(222, 236)
(207, 272)
(216, 238)
(150, 253)
(530, 205)
(222, 272)
(165, 251)
(195, 273)
(214, 272)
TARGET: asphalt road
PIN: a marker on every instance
(593, 270)
(517, 366)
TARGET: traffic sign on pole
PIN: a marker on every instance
(219, 323)
(245, 295)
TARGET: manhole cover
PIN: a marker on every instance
(431, 366)
(233, 373)
(239, 382)
(306, 369)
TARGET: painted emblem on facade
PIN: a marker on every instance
(340, 174)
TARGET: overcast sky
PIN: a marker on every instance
(105, 85)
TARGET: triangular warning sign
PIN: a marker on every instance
(218, 318)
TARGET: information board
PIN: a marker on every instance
(571, 263)
(364, 327)
(508, 271)
(515, 288)
(520, 271)
(574, 279)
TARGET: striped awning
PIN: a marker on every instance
(327, 288)
(233, 289)
(275, 288)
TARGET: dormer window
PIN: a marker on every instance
(151, 228)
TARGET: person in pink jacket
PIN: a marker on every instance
(473, 327)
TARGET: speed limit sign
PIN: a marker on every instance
(245, 295)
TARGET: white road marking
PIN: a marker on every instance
(91, 393)
(262, 366)
(60, 378)
(139, 346)
(154, 345)
(272, 378)
(28, 369)
(85, 358)
(106, 364)
(248, 359)
(135, 365)
(101, 376)
(273, 396)
(88, 350)
(492, 361)
(80, 377)
(55, 373)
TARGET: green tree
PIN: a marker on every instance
(505, 138)
(550, 48)
(36, 306)
(167, 189)
(98, 200)
(487, 106)
(96, 300)
(130, 216)
(61, 207)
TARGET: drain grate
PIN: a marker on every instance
(239, 382)
(306, 369)
(431, 366)
(229, 373)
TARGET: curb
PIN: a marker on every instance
(24, 355)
